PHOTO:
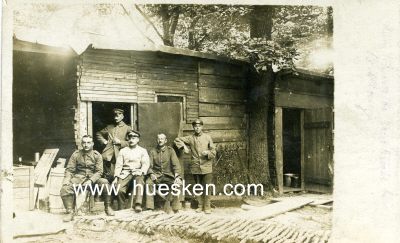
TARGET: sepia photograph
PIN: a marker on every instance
(142, 122)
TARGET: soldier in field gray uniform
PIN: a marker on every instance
(203, 154)
(114, 138)
(85, 168)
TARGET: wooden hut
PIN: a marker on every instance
(302, 130)
(60, 96)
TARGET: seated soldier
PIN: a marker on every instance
(164, 169)
(131, 166)
(84, 169)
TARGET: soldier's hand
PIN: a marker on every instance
(116, 141)
(153, 177)
(185, 149)
(204, 153)
(178, 181)
(87, 183)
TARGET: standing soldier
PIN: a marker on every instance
(114, 138)
(203, 154)
(132, 164)
(84, 169)
(164, 168)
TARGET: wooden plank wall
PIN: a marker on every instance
(213, 91)
(222, 107)
(136, 77)
(302, 92)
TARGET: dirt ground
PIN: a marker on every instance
(308, 218)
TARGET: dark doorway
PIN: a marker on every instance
(291, 142)
(102, 116)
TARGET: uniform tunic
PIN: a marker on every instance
(201, 164)
(82, 166)
(163, 161)
(107, 134)
(132, 159)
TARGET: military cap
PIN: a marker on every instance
(115, 110)
(197, 121)
(133, 134)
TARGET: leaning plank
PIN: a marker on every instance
(43, 166)
(274, 209)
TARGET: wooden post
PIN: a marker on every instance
(89, 118)
(131, 117)
(279, 148)
(302, 149)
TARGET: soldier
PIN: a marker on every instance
(203, 154)
(164, 169)
(84, 168)
(132, 164)
(114, 138)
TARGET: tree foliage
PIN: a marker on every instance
(226, 30)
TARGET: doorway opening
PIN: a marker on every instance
(102, 116)
(291, 148)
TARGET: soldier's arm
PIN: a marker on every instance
(119, 163)
(151, 162)
(100, 136)
(212, 152)
(186, 140)
(98, 169)
(125, 143)
(145, 162)
(182, 142)
(176, 165)
(71, 168)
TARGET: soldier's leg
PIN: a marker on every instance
(207, 179)
(172, 197)
(150, 191)
(138, 190)
(198, 178)
(123, 185)
(106, 194)
(67, 194)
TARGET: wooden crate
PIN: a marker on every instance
(23, 188)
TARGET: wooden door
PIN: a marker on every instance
(155, 118)
(318, 149)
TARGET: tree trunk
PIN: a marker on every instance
(170, 16)
(260, 27)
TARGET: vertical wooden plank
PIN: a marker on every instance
(278, 148)
(132, 116)
(135, 117)
(89, 118)
(302, 148)
(82, 128)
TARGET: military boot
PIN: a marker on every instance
(68, 202)
(207, 204)
(200, 206)
(107, 208)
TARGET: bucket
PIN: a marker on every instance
(295, 181)
(288, 179)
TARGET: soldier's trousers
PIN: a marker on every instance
(150, 186)
(204, 199)
(67, 192)
(126, 185)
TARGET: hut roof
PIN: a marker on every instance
(98, 26)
